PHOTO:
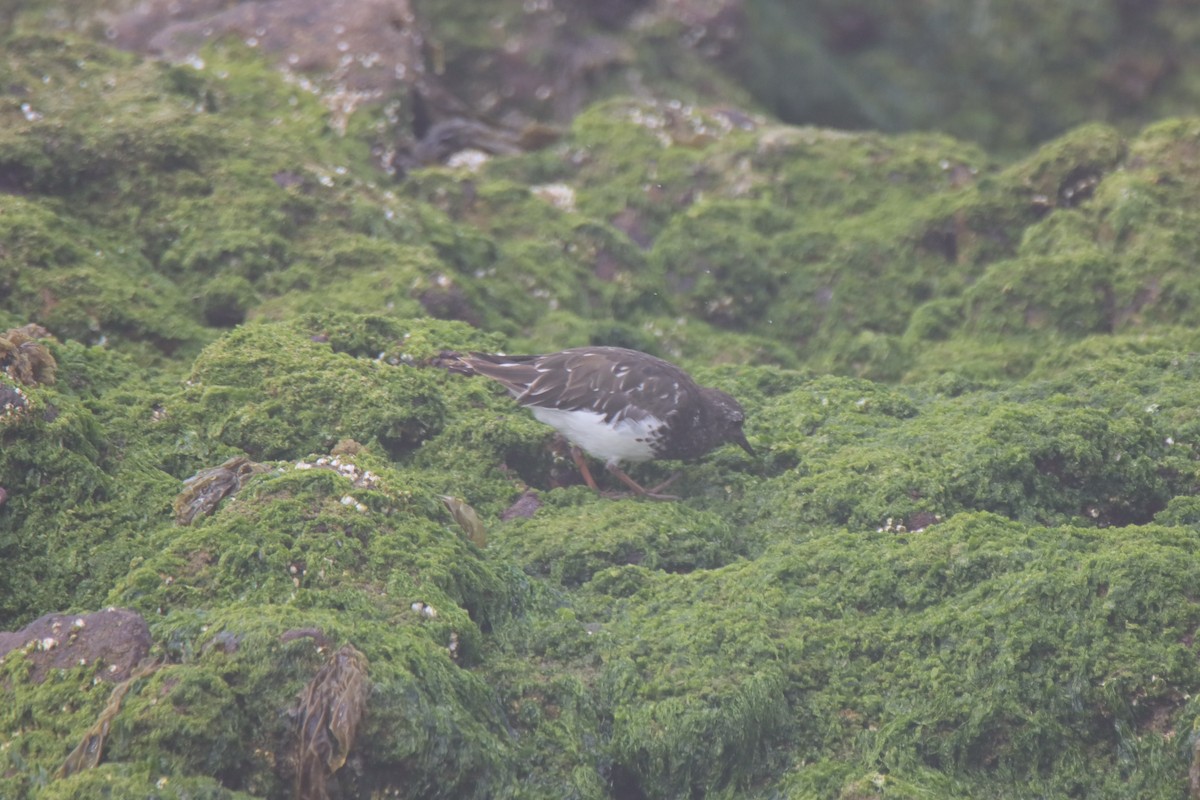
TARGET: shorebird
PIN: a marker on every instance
(618, 405)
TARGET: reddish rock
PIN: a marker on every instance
(369, 46)
(116, 638)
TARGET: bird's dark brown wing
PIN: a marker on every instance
(616, 382)
(514, 373)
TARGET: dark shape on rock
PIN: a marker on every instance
(448, 136)
(1078, 186)
(116, 638)
(922, 520)
(449, 302)
(614, 14)
(205, 490)
(226, 642)
(524, 508)
(316, 634)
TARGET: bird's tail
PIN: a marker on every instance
(453, 361)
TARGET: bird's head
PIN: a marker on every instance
(727, 418)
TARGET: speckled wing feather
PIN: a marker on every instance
(618, 383)
(514, 373)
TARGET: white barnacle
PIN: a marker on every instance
(424, 609)
(559, 195)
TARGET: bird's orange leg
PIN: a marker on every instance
(667, 482)
(577, 455)
(637, 487)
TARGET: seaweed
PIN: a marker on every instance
(331, 708)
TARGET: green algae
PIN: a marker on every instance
(290, 553)
(927, 658)
(54, 474)
(977, 583)
(996, 738)
(292, 536)
(1076, 269)
(39, 722)
(122, 780)
(598, 535)
(65, 274)
(1073, 456)
(664, 648)
(221, 185)
(696, 689)
(239, 677)
(225, 197)
(250, 391)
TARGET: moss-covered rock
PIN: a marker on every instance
(570, 548)
(273, 392)
(120, 780)
(1023, 698)
(976, 579)
(52, 469)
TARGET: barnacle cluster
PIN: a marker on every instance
(359, 478)
(24, 358)
(13, 402)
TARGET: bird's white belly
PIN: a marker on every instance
(624, 441)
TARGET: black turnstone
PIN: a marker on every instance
(618, 405)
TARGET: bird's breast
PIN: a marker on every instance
(620, 440)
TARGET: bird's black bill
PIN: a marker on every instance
(742, 443)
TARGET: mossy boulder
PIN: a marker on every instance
(570, 548)
(53, 471)
(273, 392)
(961, 562)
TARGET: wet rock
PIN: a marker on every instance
(115, 638)
(525, 507)
(367, 46)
